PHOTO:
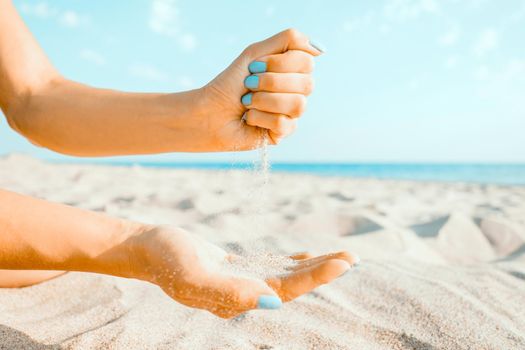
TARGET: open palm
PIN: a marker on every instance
(192, 271)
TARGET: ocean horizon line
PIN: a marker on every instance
(170, 163)
(481, 173)
(468, 172)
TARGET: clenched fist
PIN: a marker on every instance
(262, 92)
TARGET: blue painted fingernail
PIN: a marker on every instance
(257, 67)
(251, 82)
(318, 46)
(247, 99)
(270, 302)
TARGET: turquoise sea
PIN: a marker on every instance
(505, 174)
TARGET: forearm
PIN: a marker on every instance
(39, 235)
(76, 119)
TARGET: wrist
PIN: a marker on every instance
(185, 110)
(190, 118)
(120, 259)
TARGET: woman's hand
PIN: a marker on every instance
(194, 272)
(190, 270)
(72, 118)
(262, 92)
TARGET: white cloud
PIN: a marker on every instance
(164, 17)
(147, 72)
(403, 10)
(70, 19)
(42, 10)
(487, 41)
(187, 42)
(449, 38)
(93, 57)
(165, 20)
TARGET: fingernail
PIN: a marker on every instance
(318, 46)
(269, 302)
(257, 67)
(251, 82)
(247, 99)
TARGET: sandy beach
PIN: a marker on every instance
(443, 264)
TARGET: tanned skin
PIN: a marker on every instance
(39, 240)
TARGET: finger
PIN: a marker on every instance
(289, 39)
(223, 294)
(279, 125)
(301, 256)
(293, 105)
(346, 256)
(280, 82)
(303, 281)
(293, 61)
(210, 306)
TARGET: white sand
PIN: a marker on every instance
(443, 265)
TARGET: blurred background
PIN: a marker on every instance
(408, 88)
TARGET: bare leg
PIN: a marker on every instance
(24, 278)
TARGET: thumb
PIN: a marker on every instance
(236, 295)
(289, 39)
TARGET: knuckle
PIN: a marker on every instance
(344, 255)
(309, 85)
(309, 63)
(272, 62)
(270, 81)
(275, 138)
(300, 105)
(293, 126)
(279, 124)
(248, 117)
(291, 34)
(250, 50)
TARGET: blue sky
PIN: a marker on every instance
(402, 81)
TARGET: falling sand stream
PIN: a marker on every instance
(256, 260)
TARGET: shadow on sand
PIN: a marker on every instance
(13, 339)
